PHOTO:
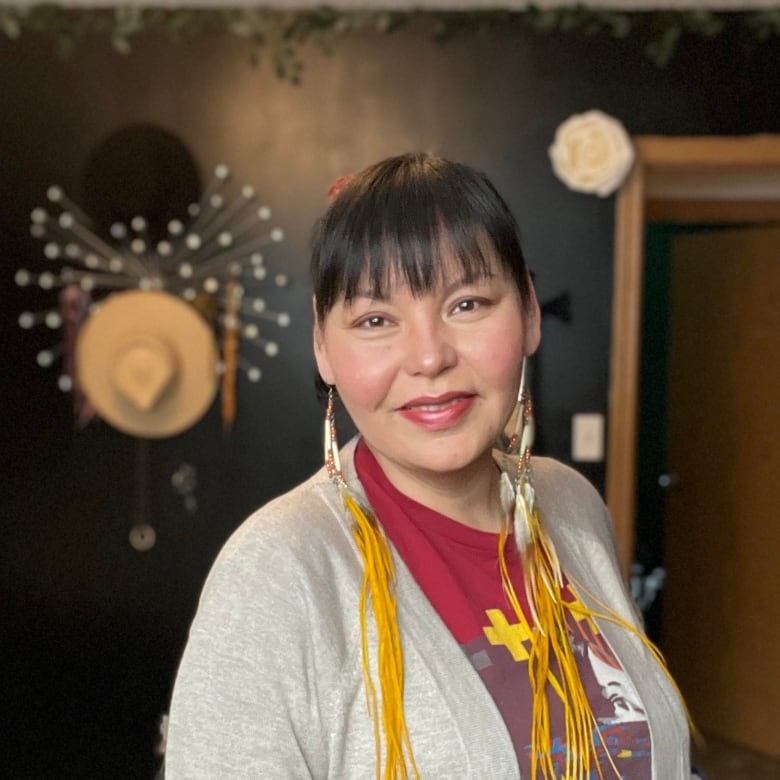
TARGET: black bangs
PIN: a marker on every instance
(406, 219)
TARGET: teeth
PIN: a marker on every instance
(436, 407)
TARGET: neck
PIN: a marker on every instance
(469, 495)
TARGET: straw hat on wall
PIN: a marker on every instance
(148, 363)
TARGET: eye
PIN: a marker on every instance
(373, 322)
(468, 305)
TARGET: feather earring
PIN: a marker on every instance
(378, 589)
(332, 462)
(520, 442)
(552, 666)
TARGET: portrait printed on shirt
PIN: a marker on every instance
(622, 736)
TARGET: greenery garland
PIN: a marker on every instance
(282, 33)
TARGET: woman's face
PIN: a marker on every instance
(429, 381)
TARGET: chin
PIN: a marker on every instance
(457, 458)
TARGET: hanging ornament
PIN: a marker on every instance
(212, 259)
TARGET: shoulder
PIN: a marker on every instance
(303, 530)
(291, 569)
(551, 474)
(297, 546)
(276, 629)
(567, 496)
(288, 521)
(582, 530)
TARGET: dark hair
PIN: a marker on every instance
(398, 215)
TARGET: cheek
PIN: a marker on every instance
(363, 380)
(502, 361)
(508, 360)
(500, 367)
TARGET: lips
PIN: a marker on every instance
(437, 413)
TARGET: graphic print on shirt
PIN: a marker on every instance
(500, 656)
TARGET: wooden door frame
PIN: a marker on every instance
(661, 160)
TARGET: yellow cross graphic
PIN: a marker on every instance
(511, 636)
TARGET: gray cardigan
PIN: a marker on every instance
(270, 683)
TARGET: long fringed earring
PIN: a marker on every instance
(544, 583)
(378, 588)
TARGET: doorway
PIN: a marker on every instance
(734, 180)
(710, 383)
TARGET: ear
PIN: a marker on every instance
(320, 349)
(532, 321)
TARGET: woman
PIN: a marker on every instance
(428, 605)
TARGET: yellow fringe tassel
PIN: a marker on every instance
(379, 586)
(552, 666)
(550, 650)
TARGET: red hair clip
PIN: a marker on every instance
(335, 189)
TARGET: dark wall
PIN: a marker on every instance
(91, 630)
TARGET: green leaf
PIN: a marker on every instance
(662, 49)
(267, 28)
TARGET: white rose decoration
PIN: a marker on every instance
(592, 152)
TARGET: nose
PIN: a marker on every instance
(429, 349)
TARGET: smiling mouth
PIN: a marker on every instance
(435, 404)
(438, 414)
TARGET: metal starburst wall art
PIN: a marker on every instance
(151, 328)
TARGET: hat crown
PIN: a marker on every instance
(143, 370)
